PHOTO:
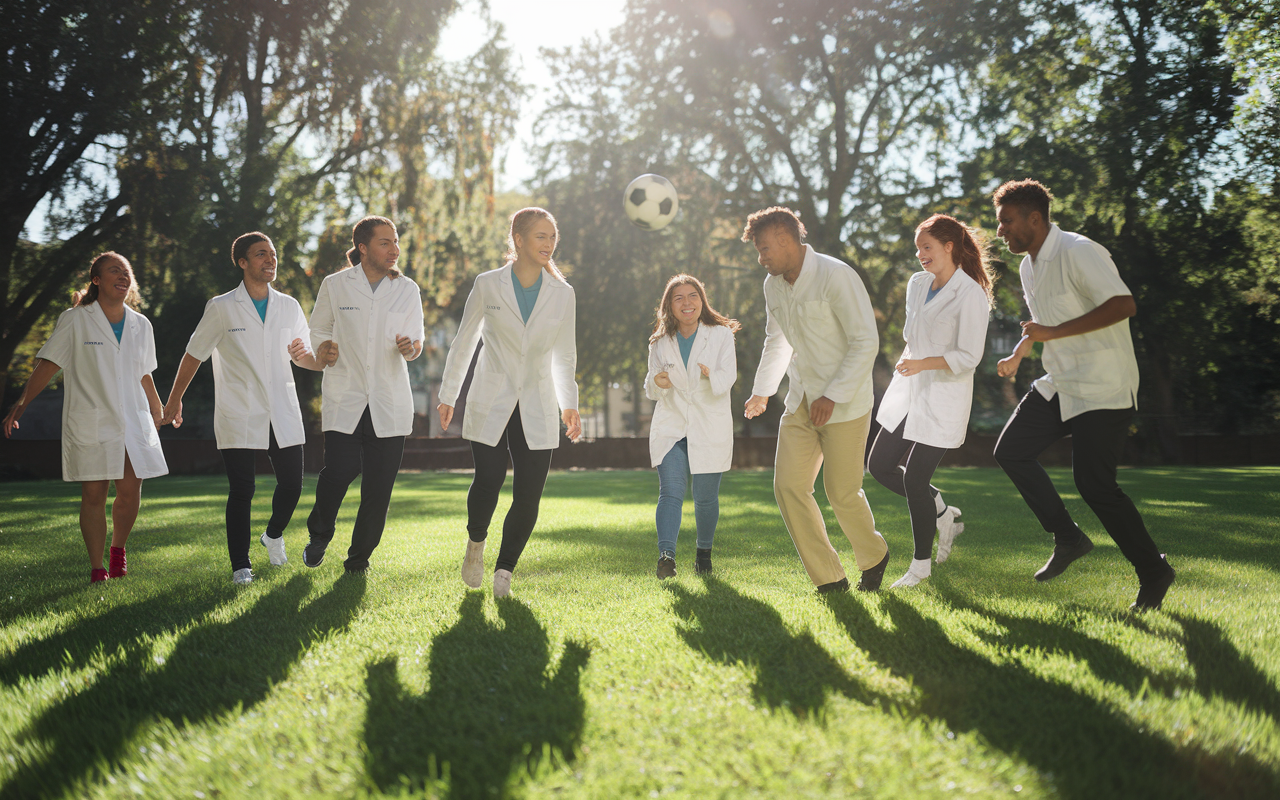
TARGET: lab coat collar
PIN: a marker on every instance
(1049, 250)
(104, 325)
(360, 281)
(242, 295)
(807, 268)
(508, 290)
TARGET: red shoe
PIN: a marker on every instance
(118, 566)
(97, 575)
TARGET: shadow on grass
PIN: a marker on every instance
(492, 707)
(108, 632)
(792, 671)
(214, 670)
(1089, 749)
(1223, 671)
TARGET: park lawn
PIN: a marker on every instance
(597, 681)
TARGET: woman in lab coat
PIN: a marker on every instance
(110, 411)
(524, 311)
(692, 366)
(925, 410)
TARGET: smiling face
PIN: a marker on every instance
(114, 280)
(686, 305)
(259, 263)
(934, 255)
(537, 244)
(383, 250)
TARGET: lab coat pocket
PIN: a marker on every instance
(484, 390)
(942, 334)
(82, 426)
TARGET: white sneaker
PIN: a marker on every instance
(948, 530)
(918, 571)
(242, 576)
(275, 550)
(473, 564)
(502, 583)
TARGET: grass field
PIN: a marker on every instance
(597, 681)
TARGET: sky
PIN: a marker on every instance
(528, 27)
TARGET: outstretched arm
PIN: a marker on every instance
(44, 372)
(173, 408)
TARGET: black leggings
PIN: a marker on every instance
(530, 469)
(911, 480)
(241, 467)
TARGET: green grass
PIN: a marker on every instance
(596, 681)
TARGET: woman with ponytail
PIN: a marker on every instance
(925, 410)
(110, 412)
(525, 313)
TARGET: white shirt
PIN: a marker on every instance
(370, 371)
(953, 325)
(105, 413)
(532, 363)
(1071, 276)
(821, 333)
(696, 407)
(253, 381)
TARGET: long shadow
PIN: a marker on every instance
(111, 631)
(1223, 671)
(792, 671)
(215, 669)
(1090, 750)
(492, 708)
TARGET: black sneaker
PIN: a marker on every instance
(702, 562)
(313, 553)
(871, 578)
(841, 585)
(1062, 558)
(1151, 593)
(666, 566)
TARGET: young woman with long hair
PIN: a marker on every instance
(692, 367)
(110, 412)
(525, 313)
(925, 410)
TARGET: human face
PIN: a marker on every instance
(114, 280)
(259, 263)
(537, 244)
(934, 255)
(383, 250)
(686, 305)
(780, 253)
(1017, 228)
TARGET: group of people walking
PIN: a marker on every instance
(821, 334)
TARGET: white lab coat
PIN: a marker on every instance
(821, 333)
(370, 370)
(253, 380)
(105, 413)
(695, 407)
(953, 325)
(1071, 276)
(532, 364)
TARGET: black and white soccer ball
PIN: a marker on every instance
(651, 202)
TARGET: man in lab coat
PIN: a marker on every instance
(821, 333)
(252, 333)
(1080, 309)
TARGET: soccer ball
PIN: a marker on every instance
(651, 202)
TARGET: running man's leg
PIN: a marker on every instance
(1036, 424)
(795, 469)
(382, 457)
(286, 462)
(844, 447)
(240, 465)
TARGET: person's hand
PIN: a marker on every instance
(327, 353)
(574, 424)
(820, 411)
(172, 414)
(297, 349)
(446, 416)
(1039, 333)
(755, 406)
(908, 366)
(1008, 367)
(663, 380)
(706, 371)
(157, 416)
(409, 348)
(11, 419)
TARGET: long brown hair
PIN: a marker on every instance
(667, 324)
(89, 293)
(521, 222)
(970, 248)
(362, 234)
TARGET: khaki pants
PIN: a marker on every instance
(802, 450)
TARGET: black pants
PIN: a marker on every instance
(1097, 439)
(910, 480)
(530, 469)
(241, 468)
(347, 455)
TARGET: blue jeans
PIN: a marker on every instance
(673, 475)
